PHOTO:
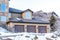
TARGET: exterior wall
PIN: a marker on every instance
(14, 15)
(11, 25)
(7, 7)
(23, 15)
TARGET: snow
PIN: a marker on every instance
(23, 37)
(58, 38)
(17, 18)
(41, 38)
(29, 36)
(3, 30)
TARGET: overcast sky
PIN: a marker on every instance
(36, 5)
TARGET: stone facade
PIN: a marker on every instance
(11, 25)
(6, 11)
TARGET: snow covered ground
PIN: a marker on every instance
(4, 35)
(3, 30)
(30, 36)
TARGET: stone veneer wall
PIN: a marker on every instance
(11, 26)
(7, 9)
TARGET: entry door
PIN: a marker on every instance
(19, 28)
(42, 29)
(31, 28)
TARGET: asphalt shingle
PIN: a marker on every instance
(13, 10)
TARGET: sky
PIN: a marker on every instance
(37, 5)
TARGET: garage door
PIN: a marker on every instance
(19, 28)
(31, 28)
(42, 29)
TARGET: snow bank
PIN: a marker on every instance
(30, 36)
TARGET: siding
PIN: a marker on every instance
(15, 15)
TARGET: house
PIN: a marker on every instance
(21, 21)
(26, 23)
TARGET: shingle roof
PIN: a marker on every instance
(13, 10)
(28, 10)
(30, 21)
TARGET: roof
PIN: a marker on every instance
(13, 10)
(28, 10)
(29, 21)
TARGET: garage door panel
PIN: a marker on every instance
(42, 29)
(19, 28)
(31, 28)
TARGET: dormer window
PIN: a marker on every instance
(28, 15)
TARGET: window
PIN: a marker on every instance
(3, 18)
(9, 15)
(3, 7)
(28, 15)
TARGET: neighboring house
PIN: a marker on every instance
(44, 15)
(26, 23)
(4, 6)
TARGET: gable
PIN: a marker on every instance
(28, 10)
